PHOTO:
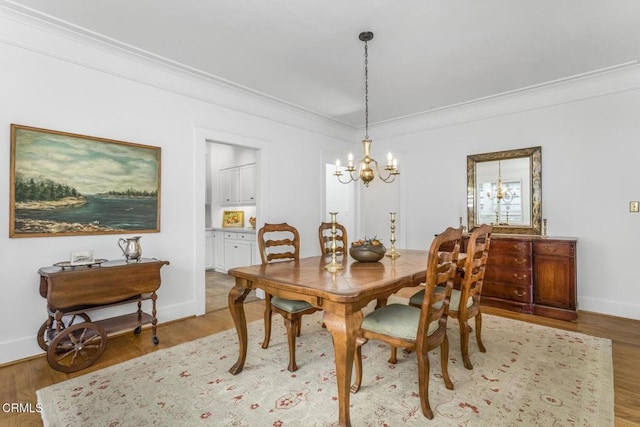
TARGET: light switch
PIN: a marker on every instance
(634, 206)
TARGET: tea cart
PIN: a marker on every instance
(72, 341)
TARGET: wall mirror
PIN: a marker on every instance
(505, 189)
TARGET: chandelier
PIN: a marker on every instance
(501, 195)
(367, 166)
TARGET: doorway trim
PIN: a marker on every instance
(204, 136)
(328, 158)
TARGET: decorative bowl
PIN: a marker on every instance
(367, 253)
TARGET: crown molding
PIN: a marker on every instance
(608, 81)
(33, 31)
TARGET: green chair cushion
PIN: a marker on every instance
(290, 305)
(396, 320)
(454, 302)
(417, 298)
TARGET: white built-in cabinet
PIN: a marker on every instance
(238, 185)
(218, 250)
(239, 249)
(209, 249)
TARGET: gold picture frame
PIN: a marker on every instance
(65, 184)
(233, 219)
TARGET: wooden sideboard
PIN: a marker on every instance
(532, 274)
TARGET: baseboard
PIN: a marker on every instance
(611, 308)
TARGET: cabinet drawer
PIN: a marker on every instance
(520, 276)
(509, 245)
(249, 237)
(513, 292)
(554, 248)
(234, 235)
(509, 260)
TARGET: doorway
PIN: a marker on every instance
(340, 198)
(230, 185)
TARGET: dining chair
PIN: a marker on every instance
(470, 290)
(281, 242)
(324, 235)
(418, 329)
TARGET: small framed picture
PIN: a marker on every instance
(82, 258)
(233, 219)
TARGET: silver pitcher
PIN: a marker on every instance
(131, 248)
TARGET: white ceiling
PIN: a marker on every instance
(426, 54)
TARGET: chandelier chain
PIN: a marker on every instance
(366, 90)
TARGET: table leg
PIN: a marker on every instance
(343, 331)
(237, 294)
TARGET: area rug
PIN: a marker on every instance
(530, 375)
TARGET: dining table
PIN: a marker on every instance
(341, 295)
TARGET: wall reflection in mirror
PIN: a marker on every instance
(504, 189)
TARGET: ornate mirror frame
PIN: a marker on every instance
(534, 175)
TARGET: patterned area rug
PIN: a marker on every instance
(530, 375)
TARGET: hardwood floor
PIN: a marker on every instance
(20, 380)
(217, 286)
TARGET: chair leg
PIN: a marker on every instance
(267, 321)
(479, 332)
(423, 382)
(464, 344)
(357, 363)
(444, 362)
(393, 359)
(298, 328)
(292, 326)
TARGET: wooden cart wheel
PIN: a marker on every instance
(77, 347)
(46, 335)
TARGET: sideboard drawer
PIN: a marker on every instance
(509, 245)
(517, 276)
(509, 291)
(556, 248)
(516, 260)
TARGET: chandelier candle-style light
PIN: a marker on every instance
(367, 166)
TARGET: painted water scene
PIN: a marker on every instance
(66, 184)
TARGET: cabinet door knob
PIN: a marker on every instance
(519, 293)
(550, 248)
(520, 260)
(519, 276)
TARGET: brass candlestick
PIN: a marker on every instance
(464, 229)
(393, 253)
(333, 266)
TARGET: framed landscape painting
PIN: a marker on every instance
(64, 184)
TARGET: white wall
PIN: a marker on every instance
(51, 80)
(589, 131)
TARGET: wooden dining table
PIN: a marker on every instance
(341, 295)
